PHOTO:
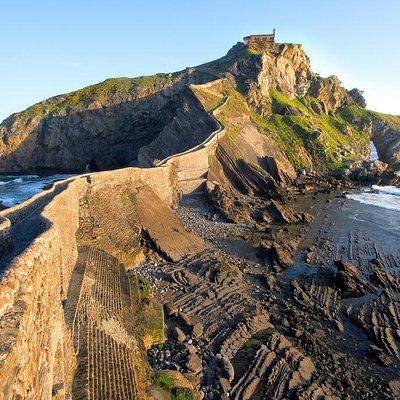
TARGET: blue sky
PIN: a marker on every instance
(52, 47)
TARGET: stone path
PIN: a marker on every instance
(98, 309)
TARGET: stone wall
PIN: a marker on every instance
(5, 242)
(35, 345)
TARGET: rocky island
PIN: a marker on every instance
(216, 255)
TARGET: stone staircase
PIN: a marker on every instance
(98, 306)
(104, 347)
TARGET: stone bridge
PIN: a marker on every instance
(65, 298)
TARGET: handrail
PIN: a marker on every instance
(205, 142)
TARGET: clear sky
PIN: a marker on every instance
(52, 47)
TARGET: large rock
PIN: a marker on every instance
(348, 281)
(227, 367)
(194, 363)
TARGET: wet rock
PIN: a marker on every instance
(170, 309)
(250, 388)
(179, 335)
(339, 325)
(270, 281)
(227, 368)
(225, 385)
(193, 378)
(185, 319)
(379, 355)
(395, 388)
(190, 348)
(194, 363)
(197, 329)
(306, 368)
(382, 278)
(286, 214)
(349, 282)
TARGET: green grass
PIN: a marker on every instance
(101, 94)
(362, 116)
(144, 288)
(279, 100)
(307, 139)
(163, 381)
(182, 394)
(209, 100)
(168, 383)
(321, 136)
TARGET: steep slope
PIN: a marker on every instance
(314, 121)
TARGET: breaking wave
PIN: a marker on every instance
(15, 189)
(16, 180)
(387, 197)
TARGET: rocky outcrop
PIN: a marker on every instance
(278, 367)
(113, 133)
(386, 138)
(330, 93)
(283, 67)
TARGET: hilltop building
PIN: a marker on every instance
(268, 37)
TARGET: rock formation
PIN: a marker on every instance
(126, 121)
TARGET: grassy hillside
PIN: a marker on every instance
(103, 93)
(307, 139)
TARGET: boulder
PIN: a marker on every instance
(194, 363)
(185, 319)
(306, 368)
(179, 335)
(197, 329)
(225, 385)
(395, 388)
(190, 348)
(170, 309)
(227, 367)
(348, 281)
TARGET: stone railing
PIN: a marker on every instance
(5, 239)
(191, 166)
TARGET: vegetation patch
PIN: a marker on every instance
(174, 383)
(279, 101)
(208, 99)
(144, 288)
(149, 313)
(100, 94)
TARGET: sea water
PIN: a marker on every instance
(387, 197)
(17, 188)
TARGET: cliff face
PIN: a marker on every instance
(138, 121)
(65, 137)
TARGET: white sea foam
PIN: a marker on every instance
(14, 189)
(380, 196)
(393, 190)
(16, 180)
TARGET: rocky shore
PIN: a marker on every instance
(314, 296)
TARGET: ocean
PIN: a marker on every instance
(15, 189)
(387, 197)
